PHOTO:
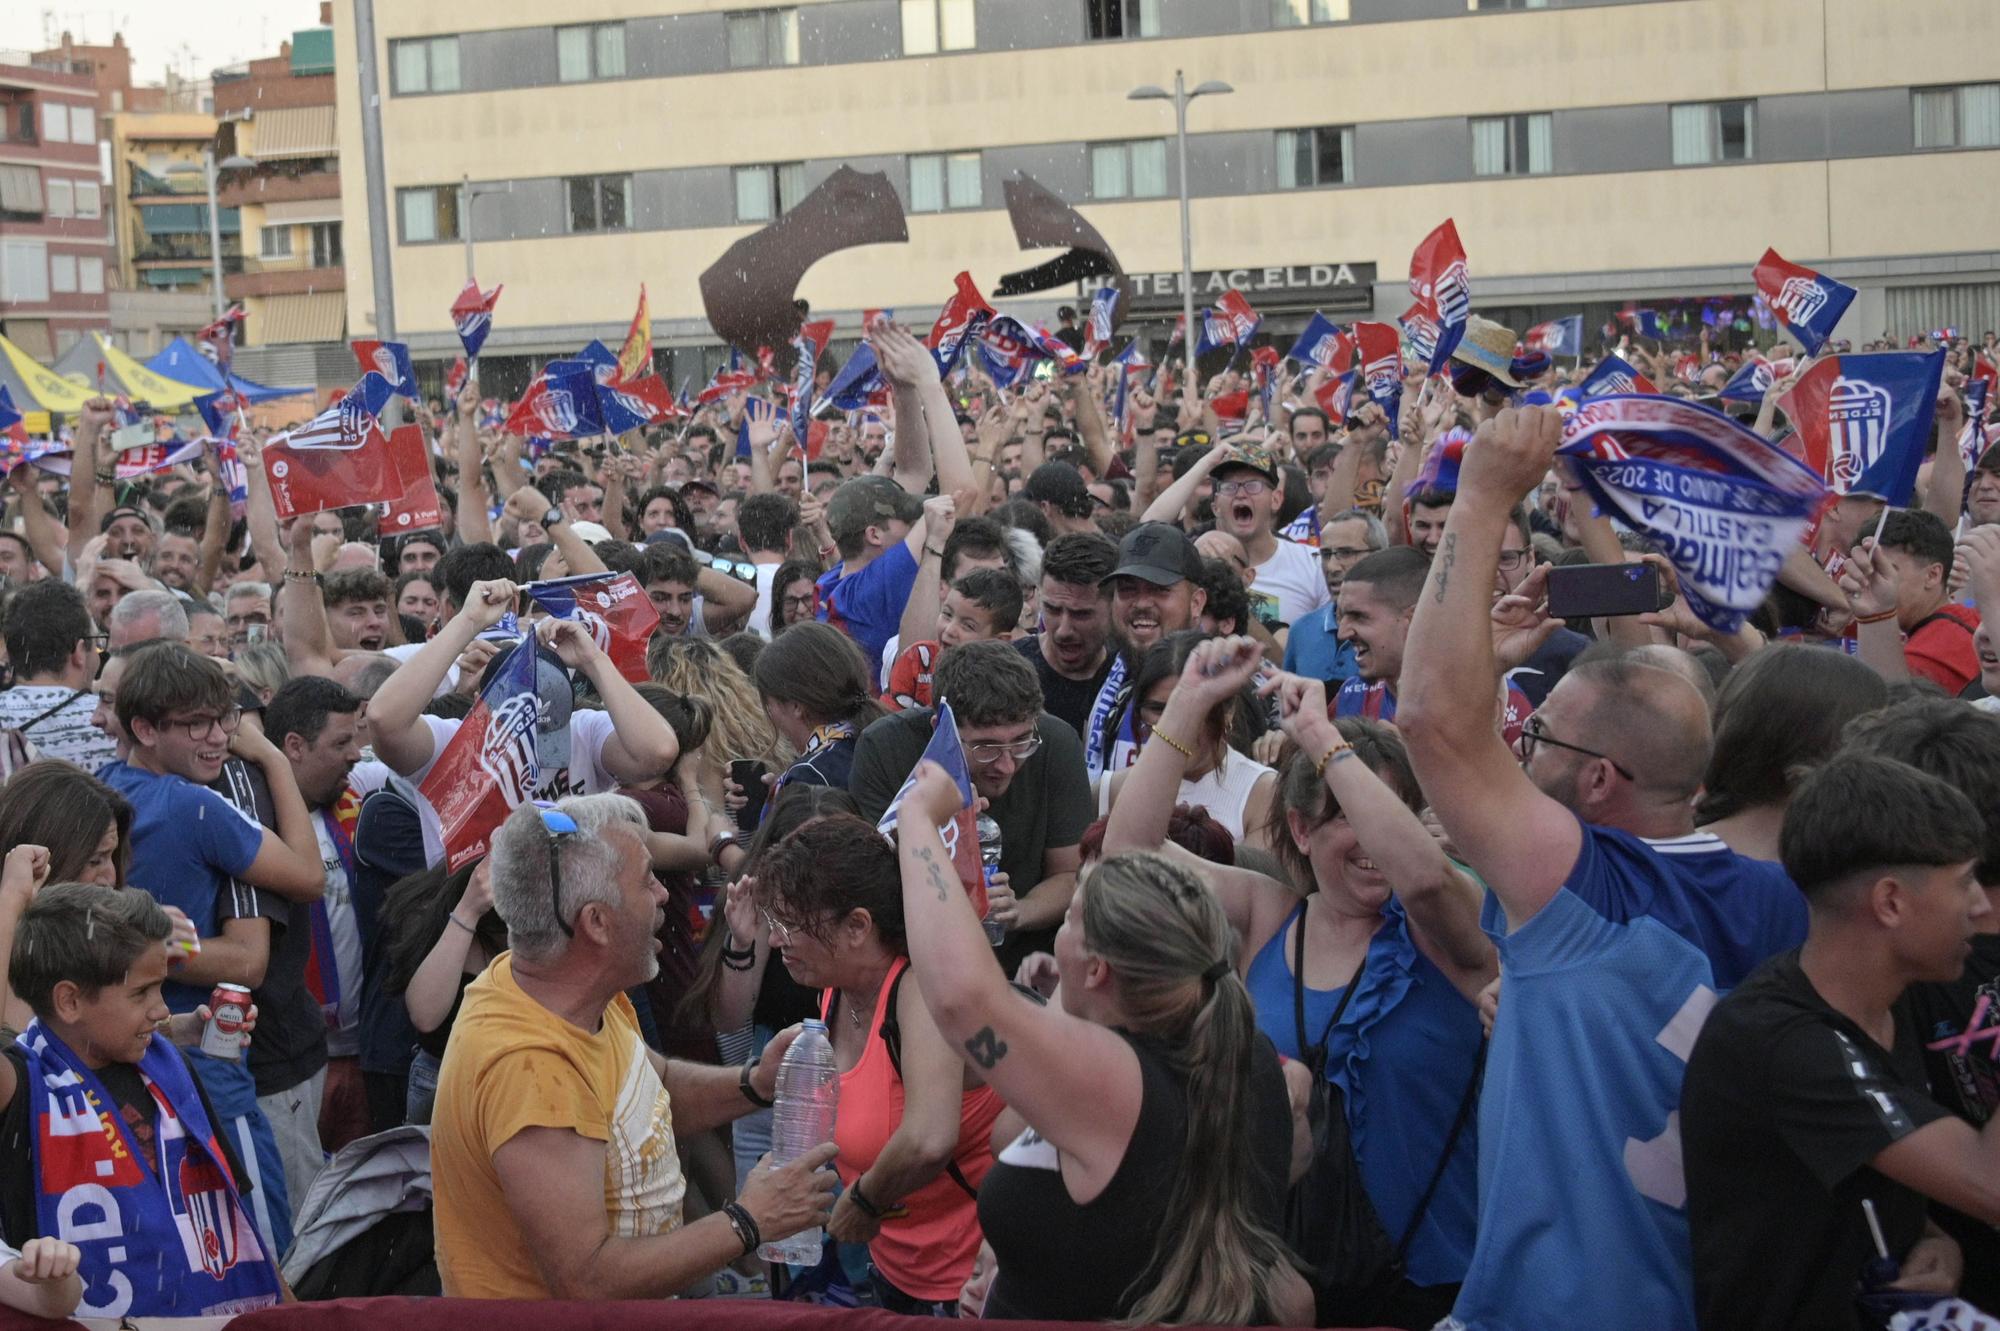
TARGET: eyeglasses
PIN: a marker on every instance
(1020, 750)
(1532, 734)
(560, 827)
(780, 931)
(199, 726)
(1511, 559)
(1249, 489)
(98, 642)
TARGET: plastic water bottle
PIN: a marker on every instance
(989, 864)
(808, 1098)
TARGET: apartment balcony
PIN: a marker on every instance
(259, 277)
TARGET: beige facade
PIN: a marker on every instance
(1836, 176)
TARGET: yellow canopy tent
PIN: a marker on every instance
(36, 387)
(124, 375)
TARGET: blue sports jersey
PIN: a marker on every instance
(868, 605)
(1582, 1199)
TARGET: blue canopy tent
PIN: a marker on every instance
(181, 361)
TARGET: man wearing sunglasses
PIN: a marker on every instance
(553, 1148)
(1618, 925)
(1027, 764)
(193, 850)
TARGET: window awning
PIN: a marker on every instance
(317, 316)
(300, 131)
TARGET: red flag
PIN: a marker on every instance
(958, 313)
(819, 332)
(1243, 320)
(635, 357)
(615, 610)
(454, 380)
(1440, 282)
(414, 506)
(488, 767)
(311, 479)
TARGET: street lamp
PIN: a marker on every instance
(467, 192)
(1180, 97)
(209, 168)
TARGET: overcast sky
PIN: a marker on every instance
(187, 34)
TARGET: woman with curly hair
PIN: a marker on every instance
(738, 728)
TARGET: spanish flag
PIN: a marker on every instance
(636, 356)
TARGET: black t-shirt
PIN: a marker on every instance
(1063, 1262)
(1046, 806)
(1785, 1103)
(1551, 661)
(1066, 699)
(1965, 1078)
(388, 847)
(135, 1105)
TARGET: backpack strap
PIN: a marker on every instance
(40, 717)
(1465, 1107)
(892, 1040)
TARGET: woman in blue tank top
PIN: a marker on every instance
(1386, 914)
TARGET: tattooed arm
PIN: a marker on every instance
(1077, 1083)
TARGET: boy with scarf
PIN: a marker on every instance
(107, 1141)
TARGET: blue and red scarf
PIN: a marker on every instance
(174, 1240)
(323, 978)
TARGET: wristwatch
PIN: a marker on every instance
(552, 517)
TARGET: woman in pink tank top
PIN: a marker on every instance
(914, 1121)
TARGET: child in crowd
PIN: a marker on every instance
(985, 603)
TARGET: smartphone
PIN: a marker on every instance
(1584, 591)
(748, 773)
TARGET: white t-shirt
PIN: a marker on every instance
(1292, 575)
(760, 618)
(585, 775)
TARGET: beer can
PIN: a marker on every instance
(228, 1013)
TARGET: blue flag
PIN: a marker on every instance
(1972, 442)
(860, 377)
(601, 359)
(9, 417)
(1807, 304)
(1614, 375)
(1215, 333)
(1557, 337)
(1865, 421)
(391, 360)
(1750, 383)
(803, 371)
(961, 841)
(1725, 504)
(1316, 344)
(1647, 324)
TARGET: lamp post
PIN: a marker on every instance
(1180, 97)
(467, 192)
(209, 170)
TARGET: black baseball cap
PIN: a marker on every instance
(1159, 552)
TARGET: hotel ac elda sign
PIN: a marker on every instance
(1326, 286)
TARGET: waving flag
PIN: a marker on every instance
(454, 381)
(338, 458)
(561, 403)
(1243, 320)
(221, 412)
(1215, 332)
(1420, 334)
(613, 607)
(1614, 375)
(472, 315)
(961, 838)
(1380, 354)
(391, 360)
(603, 364)
(1808, 304)
(220, 338)
(1008, 351)
(1322, 344)
(1865, 421)
(9, 417)
(1724, 503)
(414, 506)
(232, 476)
(489, 766)
(1179, 335)
(1646, 323)
(630, 403)
(856, 381)
(1336, 397)
(635, 357)
(808, 345)
(1103, 305)
(1749, 383)
(346, 423)
(1558, 337)
(1442, 285)
(961, 320)
(1441, 464)
(1972, 439)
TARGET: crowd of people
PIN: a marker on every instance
(1375, 948)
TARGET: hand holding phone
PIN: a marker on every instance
(1590, 591)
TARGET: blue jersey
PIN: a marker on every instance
(867, 605)
(1582, 1198)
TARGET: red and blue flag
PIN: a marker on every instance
(489, 766)
(961, 838)
(1379, 353)
(1865, 421)
(561, 403)
(1614, 374)
(391, 360)
(1103, 310)
(1322, 344)
(1807, 304)
(1442, 284)
(472, 315)
(1557, 337)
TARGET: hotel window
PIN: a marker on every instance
(1109, 19)
(1707, 132)
(600, 203)
(930, 26)
(593, 51)
(424, 64)
(1519, 145)
(1322, 156)
(1967, 116)
(940, 182)
(429, 212)
(767, 192)
(1305, 13)
(1136, 170)
(763, 37)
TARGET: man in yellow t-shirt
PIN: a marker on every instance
(552, 1143)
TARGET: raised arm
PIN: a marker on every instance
(1176, 498)
(214, 532)
(1870, 584)
(475, 523)
(1076, 1083)
(642, 746)
(89, 478)
(1090, 425)
(920, 612)
(528, 504)
(395, 713)
(434, 988)
(1521, 842)
(1946, 493)
(44, 535)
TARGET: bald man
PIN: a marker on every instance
(1617, 924)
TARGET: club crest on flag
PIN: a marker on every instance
(1865, 421)
(961, 842)
(1807, 304)
(1857, 420)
